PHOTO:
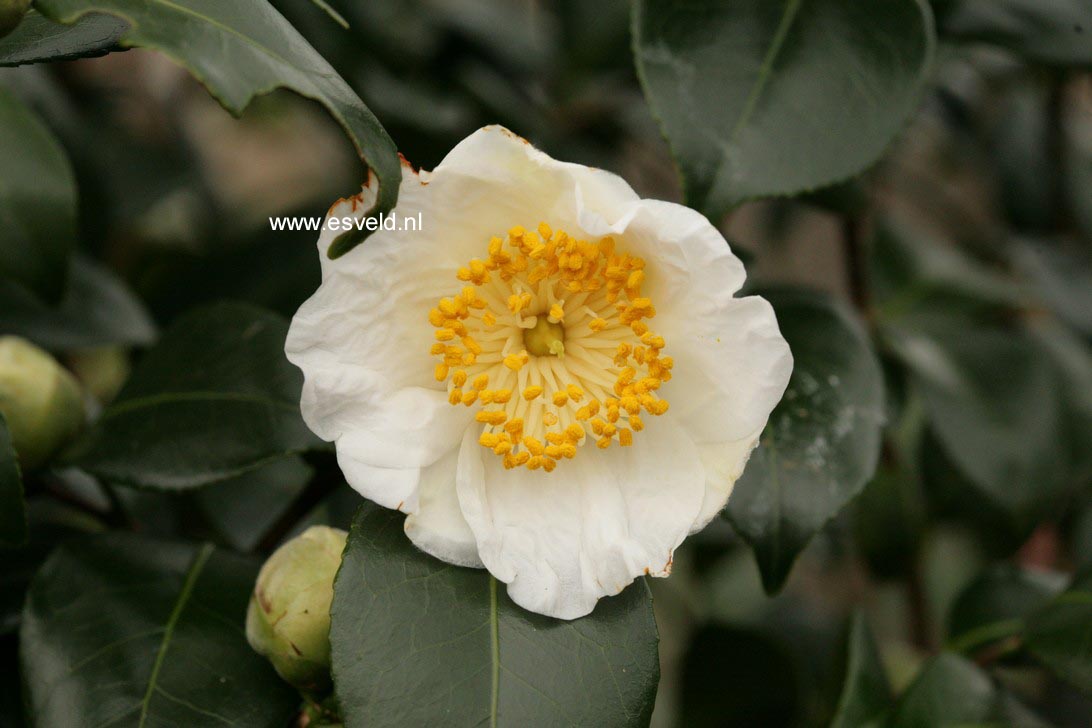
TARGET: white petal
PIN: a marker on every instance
(731, 368)
(437, 526)
(562, 540)
(389, 487)
(724, 463)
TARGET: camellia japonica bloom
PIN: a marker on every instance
(552, 378)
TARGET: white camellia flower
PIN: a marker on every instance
(503, 376)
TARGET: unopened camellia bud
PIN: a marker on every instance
(11, 14)
(41, 402)
(288, 620)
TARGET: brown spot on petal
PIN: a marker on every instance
(263, 601)
(648, 571)
(295, 649)
(406, 163)
(669, 564)
(399, 506)
(509, 133)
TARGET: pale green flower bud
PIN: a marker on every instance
(11, 14)
(40, 401)
(288, 620)
(102, 371)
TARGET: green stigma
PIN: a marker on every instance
(545, 338)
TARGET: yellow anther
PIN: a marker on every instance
(471, 345)
(532, 271)
(491, 417)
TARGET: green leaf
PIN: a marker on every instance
(1060, 634)
(952, 691)
(51, 522)
(416, 641)
(992, 398)
(242, 49)
(39, 40)
(763, 98)
(244, 508)
(822, 442)
(97, 309)
(13, 512)
(213, 400)
(995, 604)
(37, 202)
(911, 271)
(866, 693)
(120, 629)
(739, 677)
(1052, 32)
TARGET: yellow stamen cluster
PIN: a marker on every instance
(589, 369)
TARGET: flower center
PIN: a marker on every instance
(549, 339)
(545, 338)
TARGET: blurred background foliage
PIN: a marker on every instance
(962, 262)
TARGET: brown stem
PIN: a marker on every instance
(1056, 150)
(857, 265)
(921, 628)
(327, 478)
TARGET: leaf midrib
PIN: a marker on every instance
(192, 575)
(788, 17)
